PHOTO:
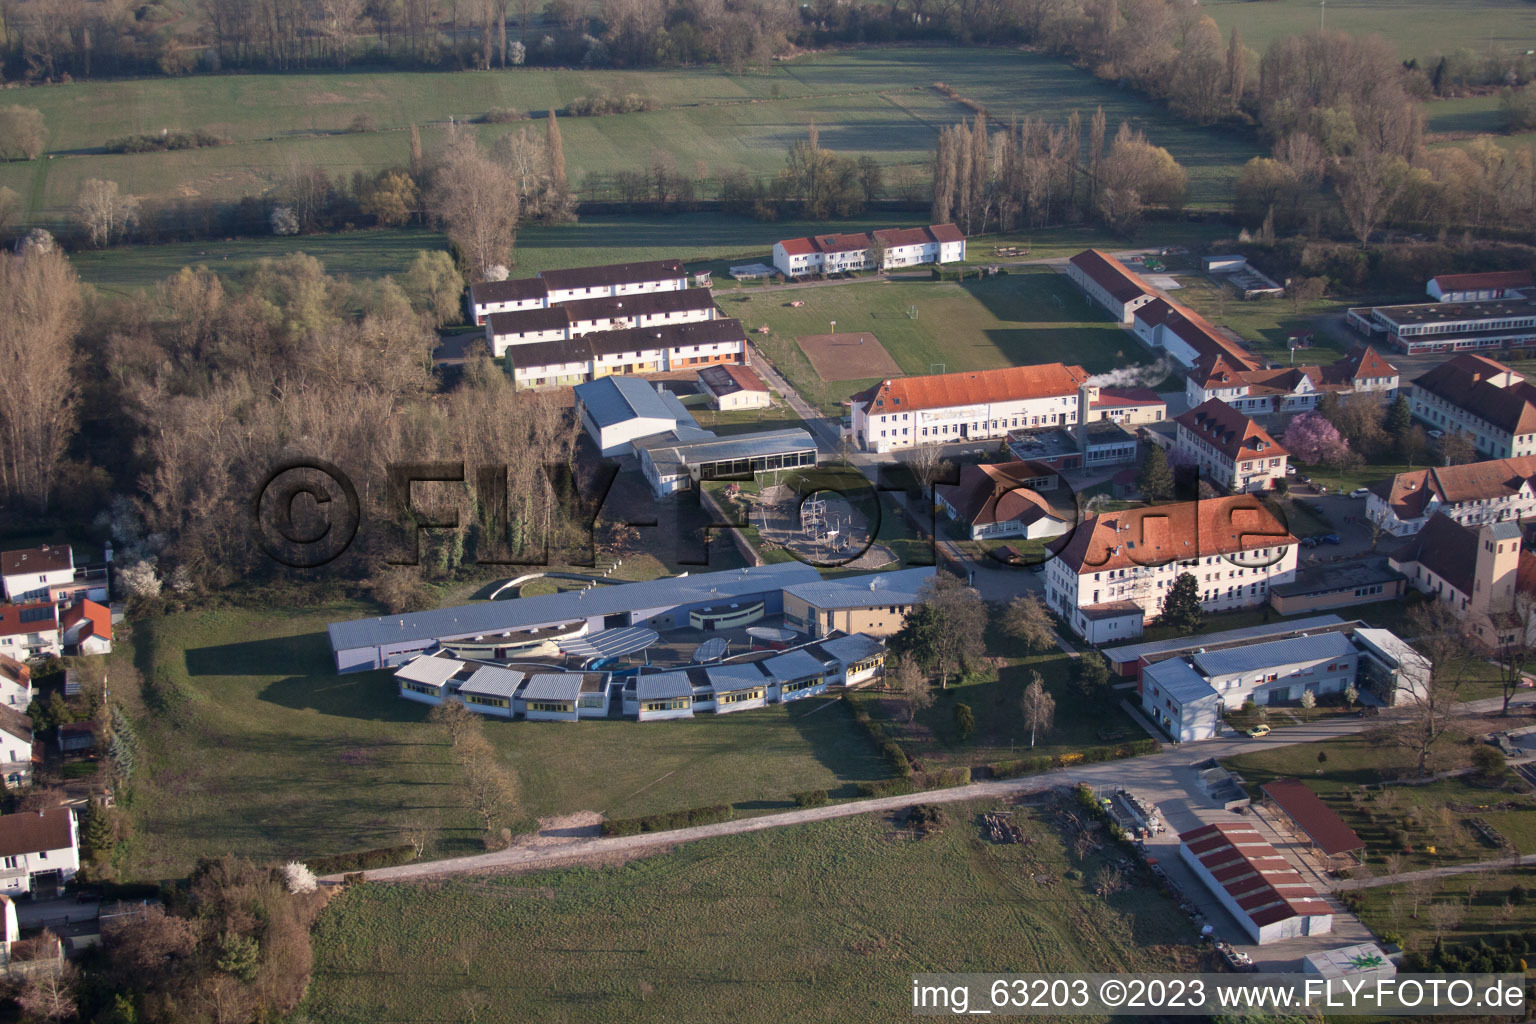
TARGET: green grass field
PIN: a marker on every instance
(1480, 899)
(1008, 320)
(822, 922)
(1433, 814)
(1419, 28)
(876, 102)
(281, 757)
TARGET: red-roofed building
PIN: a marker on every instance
(1328, 833)
(833, 254)
(1187, 336)
(1002, 500)
(1289, 389)
(1110, 283)
(1128, 406)
(733, 387)
(29, 631)
(39, 850)
(86, 629)
(904, 412)
(1233, 452)
(1112, 572)
(1495, 284)
(1494, 405)
(1258, 886)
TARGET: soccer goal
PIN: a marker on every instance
(911, 312)
(935, 367)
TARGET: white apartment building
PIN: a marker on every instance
(553, 287)
(1489, 402)
(1232, 451)
(1110, 283)
(1113, 571)
(978, 405)
(837, 253)
(1294, 389)
(33, 574)
(577, 317)
(635, 350)
(1479, 492)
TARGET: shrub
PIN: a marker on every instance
(361, 860)
(1489, 761)
(1019, 766)
(502, 115)
(363, 122)
(668, 821)
(811, 798)
(298, 878)
(597, 106)
(887, 787)
(944, 778)
(164, 141)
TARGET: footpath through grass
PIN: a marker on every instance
(262, 750)
(819, 922)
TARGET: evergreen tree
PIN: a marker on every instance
(965, 720)
(918, 638)
(1092, 674)
(1398, 422)
(1155, 480)
(1181, 606)
(96, 835)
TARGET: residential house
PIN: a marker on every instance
(511, 296)
(971, 406)
(1109, 283)
(49, 573)
(1000, 500)
(1493, 491)
(16, 747)
(733, 387)
(29, 631)
(617, 411)
(1233, 452)
(15, 683)
(86, 629)
(875, 604)
(1471, 568)
(1114, 570)
(39, 851)
(1294, 389)
(1492, 404)
(839, 253)
(1494, 284)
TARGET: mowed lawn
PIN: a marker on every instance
(1034, 316)
(819, 922)
(1418, 28)
(276, 756)
(876, 102)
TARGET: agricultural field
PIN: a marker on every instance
(877, 102)
(1033, 316)
(1419, 28)
(817, 922)
(253, 745)
(1434, 815)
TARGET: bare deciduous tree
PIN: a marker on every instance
(477, 202)
(912, 685)
(39, 318)
(1038, 706)
(104, 213)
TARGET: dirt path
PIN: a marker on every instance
(1449, 869)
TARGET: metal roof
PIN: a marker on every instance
(663, 686)
(1276, 652)
(490, 681)
(850, 648)
(740, 676)
(553, 686)
(432, 669)
(879, 588)
(1131, 652)
(1389, 644)
(610, 643)
(712, 649)
(670, 451)
(792, 665)
(613, 400)
(497, 617)
(1178, 681)
(1320, 822)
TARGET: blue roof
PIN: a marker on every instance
(612, 400)
(877, 588)
(1130, 652)
(1276, 652)
(496, 617)
(1176, 679)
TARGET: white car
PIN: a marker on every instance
(1360, 492)
(1436, 434)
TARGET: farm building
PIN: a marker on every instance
(627, 351)
(733, 387)
(1254, 882)
(616, 411)
(389, 641)
(1307, 815)
(1001, 500)
(1115, 568)
(553, 287)
(1109, 283)
(903, 247)
(875, 604)
(676, 461)
(904, 412)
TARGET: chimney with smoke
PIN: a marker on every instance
(1087, 394)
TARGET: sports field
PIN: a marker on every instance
(877, 102)
(267, 753)
(1034, 316)
(1419, 28)
(820, 922)
(839, 357)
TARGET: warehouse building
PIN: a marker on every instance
(1258, 886)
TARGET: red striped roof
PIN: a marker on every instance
(1258, 879)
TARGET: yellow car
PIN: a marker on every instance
(1259, 731)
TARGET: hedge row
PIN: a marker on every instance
(889, 748)
(165, 141)
(1045, 762)
(917, 782)
(667, 822)
(361, 860)
(810, 798)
